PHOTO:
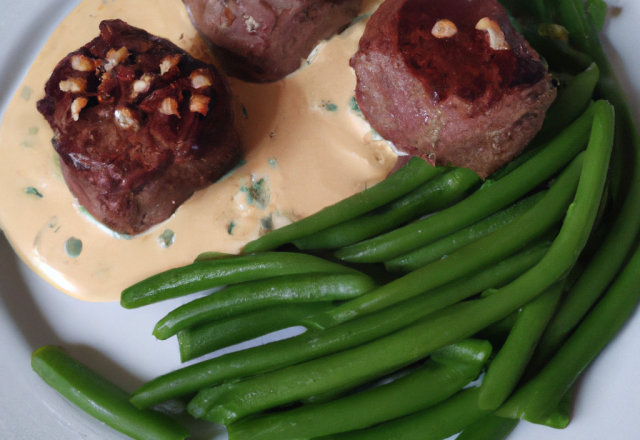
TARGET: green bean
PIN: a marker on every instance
(491, 248)
(556, 154)
(101, 398)
(537, 401)
(559, 54)
(209, 337)
(611, 254)
(315, 344)
(414, 173)
(489, 428)
(204, 275)
(432, 196)
(438, 379)
(232, 401)
(437, 423)
(445, 246)
(507, 368)
(569, 105)
(246, 297)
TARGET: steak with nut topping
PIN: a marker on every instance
(139, 125)
(451, 81)
(262, 41)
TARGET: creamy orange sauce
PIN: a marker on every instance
(304, 149)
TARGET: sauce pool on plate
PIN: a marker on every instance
(304, 148)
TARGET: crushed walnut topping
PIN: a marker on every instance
(73, 85)
(115, 57)
(227, 18)
(169, 106)
(199, 104)
(168, 63)
(83, 64)
(199, 79)
(142, 85)
(250, 23)
(125, 118)
(497, 40)
(444, 29)
(76, 106)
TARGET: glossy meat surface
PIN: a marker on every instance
(139, 126)
(451, 81)
(263, 41)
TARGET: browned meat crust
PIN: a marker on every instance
(262, 41)
(451, 94)
(139, 126)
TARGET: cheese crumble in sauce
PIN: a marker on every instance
(298, 158)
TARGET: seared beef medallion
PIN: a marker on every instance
(262, 41)
(451, 81)
(139, 126)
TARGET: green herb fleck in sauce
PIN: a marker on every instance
(244, 111)
(73, 247)
(34, 192)
(26, 93)
(273, 162)
(230, 228)
(257, 194)
(328, 105)
(353, 105)
(267, 223)
(33, 130)
(360, 18)
(167, 238)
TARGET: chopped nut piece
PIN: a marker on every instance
(76, 106)
(73, 85)
(142, 85)
(168, 62)
(444, 29)
(250, 23)
(125, 118)
(82, 63)
(199, 79)
(199, 104)
(169, 106)
(497, 39)
(115, 57)
(227, 18)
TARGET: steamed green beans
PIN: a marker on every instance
(539, 399)
(569, 105)
(414, 173)
(441, 377)
(246, 297)
(232, 401)
(430, 197)
(205, 338)
(100, 398)
(556, 154)
(445, 246)
(315, 344)
(611, 254)
(491, 248)
(437, 423)
(204, 275)
(507, 368)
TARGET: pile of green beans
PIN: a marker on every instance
(544, 252)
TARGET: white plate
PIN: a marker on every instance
(118, 343)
